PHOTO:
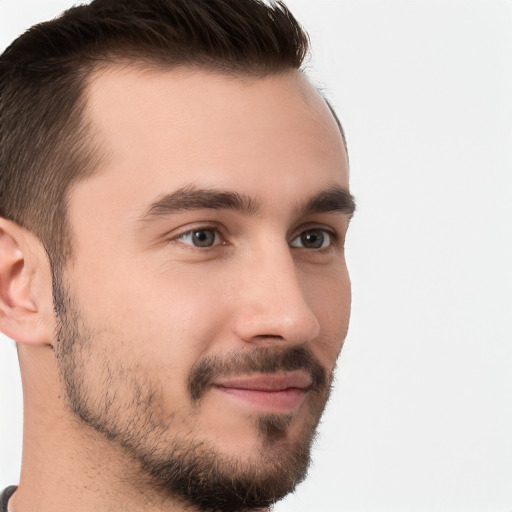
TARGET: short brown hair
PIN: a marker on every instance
(45, 145)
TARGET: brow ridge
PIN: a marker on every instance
(334, 199)
(192, 197)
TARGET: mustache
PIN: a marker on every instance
(257, 360)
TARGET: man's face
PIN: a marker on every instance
(208, 297)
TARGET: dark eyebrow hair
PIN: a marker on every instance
(191, 197)
(335, 199)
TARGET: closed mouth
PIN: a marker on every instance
(272, 393)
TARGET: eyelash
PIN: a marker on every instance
(199, 229)
(331, 235)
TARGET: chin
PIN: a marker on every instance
(234, 477)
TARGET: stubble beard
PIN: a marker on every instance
(177, 464)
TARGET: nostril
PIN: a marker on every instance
(271, 336)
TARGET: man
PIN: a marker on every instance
(174, 204)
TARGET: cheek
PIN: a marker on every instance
(155, 325)
(176, 316)
(330, 297)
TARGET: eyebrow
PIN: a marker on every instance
(191, 197)
(334, 199)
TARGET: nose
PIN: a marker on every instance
(273, 307)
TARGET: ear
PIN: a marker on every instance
(26, 306)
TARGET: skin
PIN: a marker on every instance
(154, 305)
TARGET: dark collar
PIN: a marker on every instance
(4, 497)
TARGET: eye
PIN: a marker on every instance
(202, 237)
(313, 239)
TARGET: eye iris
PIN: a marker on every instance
(203, 238)
(313, 239)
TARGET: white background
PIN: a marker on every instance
(421, 420)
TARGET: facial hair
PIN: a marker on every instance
(182, 465)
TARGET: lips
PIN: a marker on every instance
(276, 393)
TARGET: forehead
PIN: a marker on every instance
(162, 129)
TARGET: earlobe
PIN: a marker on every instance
(24, 312)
